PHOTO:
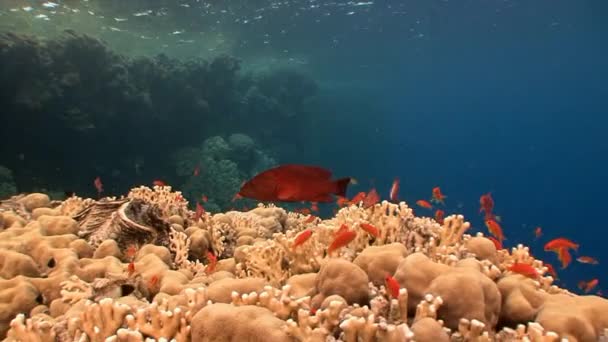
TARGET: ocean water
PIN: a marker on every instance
(508, 97)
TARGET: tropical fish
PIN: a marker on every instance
(425, 204)
(538, 232)
(370, 229)
(524, 269)
(131, 252)
(301, 238)
(158, 182)
(495, 229)
(564, 257)
(496, 243)
(197, 171)
(371, 198)
(587, 260)
(394, 190)
(439, 214)
(131, 268)
(358, 198)
(212, 259)
(551, 270)
(153, 282)
(486, 203)
(342, 201)
(392, 285)
(314, 206)
(98, 185)
(310, 219)
(294, 183)
(588, 286)
(438, 197)
(560, 243)
(343, 239)
(204, 198)
(200, 210)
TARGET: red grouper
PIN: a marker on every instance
(294, 183)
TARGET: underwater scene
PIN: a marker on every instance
(303, 170)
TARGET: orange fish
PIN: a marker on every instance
(551, 270)
(588, 286)
(371, 198)
(538, 232)
(131, 251)
(204, 198)
(342, 201)
(98, 185)
(424, 204)
(439, 214)
(212, 259)
(199, 212)
(237, 196)
(301, 238)
(314, 206)
(303, 211)
(486, 203)
(197, 171)
(560, 243)
(310, 219)
(392, 285)
(564, 256)
(587, 260)
(131, 268)
(438, 197)
(294, 183)
(358, 198)
(394, 190)
(370, 229)
(524, 269)
(158, 182)
(495, 229)
(343, 239)
(496, 243)
(153, 282)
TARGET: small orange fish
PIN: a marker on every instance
(538, 232)
(237, 196)
(495, 229)
(560, 243)
(358, 198)
(131, 251)
(551, 270)
(424, 204)
(314, 206)
(564, 256)
(588, 286)
(131, 268)
(524, 269)
(394, 190)
(301, 238)
(158, 182)
(496, 243)
(197, 171)
(303, 211)
(199, 212)
(587, 260)
(392, 285)
(153, 282)
(204, 198)
(439, 214)
(486, 203)
(370, 229)
(212, 259)
(342, 201)
(310, 219)
(343, 239)
(371, 198)
(98, 185)
(438, 197)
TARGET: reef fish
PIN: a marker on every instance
(438, 196)
(394, 190)
(425, 204)
(560, 243)
(98, 185)
(294, 183)
(341, 240)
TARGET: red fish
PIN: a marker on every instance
(495, 229)
(371, 198)
(486, 203)
(204, 198)
(343, 239)
(538, 232)
(310, 219)
(496, 243)
(197, 171)
(294, 183)
(424, 204)
(551, 270)
(158, 182)
(199, 212)
(439, 214)
(98, 185)
(370, 229)
(314, 206)
(342, 201)
(588, 286)
(587, 260)
(131, 251)
(438, 197)
(394, 190)
(392, 285)
(524, 269)
(153, 282)
(564, 256)
(131, 268)
(358, 198)
(301, 238)
(212, 259)
(560, 243)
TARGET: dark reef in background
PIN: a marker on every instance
(72, 110)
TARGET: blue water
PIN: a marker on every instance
(508, 97)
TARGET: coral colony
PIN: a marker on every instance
(144, 267)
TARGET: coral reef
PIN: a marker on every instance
(242, 270)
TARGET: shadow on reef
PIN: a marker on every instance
(77, 110)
